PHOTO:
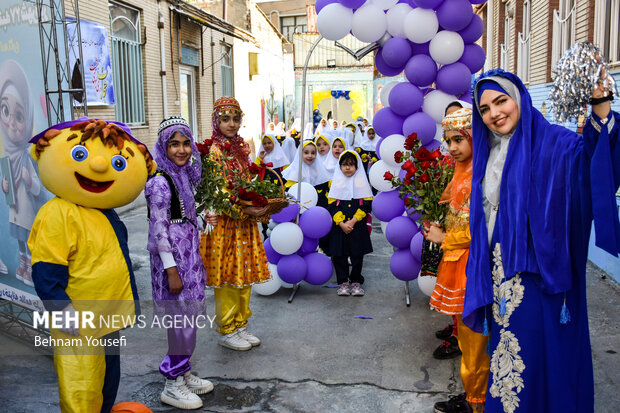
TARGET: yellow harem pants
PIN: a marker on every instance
(475, 363)
(232, 308)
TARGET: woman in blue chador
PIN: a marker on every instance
(536, 189)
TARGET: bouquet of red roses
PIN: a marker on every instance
(427, 175)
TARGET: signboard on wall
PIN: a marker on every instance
(22, 115)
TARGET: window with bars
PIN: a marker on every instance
(563, 36)
(127, 63)
(504, 47)
(523, 50)
(293, 24)
(607, 28)
(226, 68)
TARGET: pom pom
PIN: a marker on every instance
(502, 306)
(485, 327)
(564, 314)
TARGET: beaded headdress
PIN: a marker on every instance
(172, 121)
(459, 120)
(226, 105)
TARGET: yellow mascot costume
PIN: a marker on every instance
(80, 258)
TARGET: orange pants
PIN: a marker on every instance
(475, 363)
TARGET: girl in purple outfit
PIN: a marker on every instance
(178, 275)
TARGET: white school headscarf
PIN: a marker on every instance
(277, 156)
(331, 122)
(368, 144)
(323, 157)
(314, 174)
(320, 128)
(354, 187)
(289, 147)
(296, 126)
(279, 129)
(330, 162)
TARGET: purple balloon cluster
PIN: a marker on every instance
(305, 264)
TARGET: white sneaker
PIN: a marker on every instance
(249, 337)
(197, 385)
(234, 342)
(3, 268)
(178, 395)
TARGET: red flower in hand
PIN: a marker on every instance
(208, 142)
(410, 174)
(227, 146)
(388, 176)
(423, 155)
(254, 168)
(398, 156)
(203, 148)
(410, 141)
(423, 178)
(425, 165)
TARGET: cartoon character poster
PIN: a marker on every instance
(97, 65)
(22, 114)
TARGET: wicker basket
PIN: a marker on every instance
(274, 205)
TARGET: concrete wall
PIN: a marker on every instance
(275, 9)
(237, 11)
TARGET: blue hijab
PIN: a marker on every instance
(546, 196)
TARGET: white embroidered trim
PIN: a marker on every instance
(506, 364)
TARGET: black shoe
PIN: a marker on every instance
(456, 404)
(448, 349)
(445, 333)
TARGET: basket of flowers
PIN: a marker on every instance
(261, 192)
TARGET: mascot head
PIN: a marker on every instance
(92, 163)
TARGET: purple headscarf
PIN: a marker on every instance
(186, 177)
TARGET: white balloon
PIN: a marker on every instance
(334, 21)
(309, 196)
(383, 226)
(375, 175)
(389, 146)
(435, 103)
(446, 47)
(286, 238)
(439, 132)
(271, 286)
(427, 284)
(396, 19)
(385, 92)
(383, 4)
(369, 23)
(420, 25)
(272, 224)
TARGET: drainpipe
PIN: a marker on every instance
(212, 67)
(162, 57)
(225, 10)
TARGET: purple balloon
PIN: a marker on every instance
(378, 147)
(466, 97)
(292, 268)
(421, 70)
(320, 268)
(454, 78)
(352, 4)
(396, 52)
(308, 246)
(322, 3)
(402, 174)
(288, 214)
(473, 57)
(387, 205)
(454, 15)
(316, 222)
(427, 4)
(403, 265)
(420, 48)
(422, 124)
(399, 231)
(272, 255)
(477, 1)
(383, 67)
(405, 99)
(435, 144)
(415, 246)
(387, 123)
(473, 31)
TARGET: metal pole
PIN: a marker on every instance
(407, 296)
(301, 140)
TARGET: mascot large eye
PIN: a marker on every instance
(79, 153)
(119, 162)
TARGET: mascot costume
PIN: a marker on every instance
(80, 258)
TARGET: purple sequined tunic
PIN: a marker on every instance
(183, 241)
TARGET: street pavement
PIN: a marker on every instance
(315, 356)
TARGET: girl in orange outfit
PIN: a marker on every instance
(449, 293)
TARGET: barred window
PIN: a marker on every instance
(607, 28)
(127, 63)
(226, 68)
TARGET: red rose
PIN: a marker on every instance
(227, 146)
(409, 174)
(436, 154)
(398, 156)
(407, 181)
(208, 142)
(425, 165)
(407, 202)
(423, 178)
(423, 155)
(407, 165)
(388, 176)
(254, 168)
(260, 201)
(203, 149)
(410, 141)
